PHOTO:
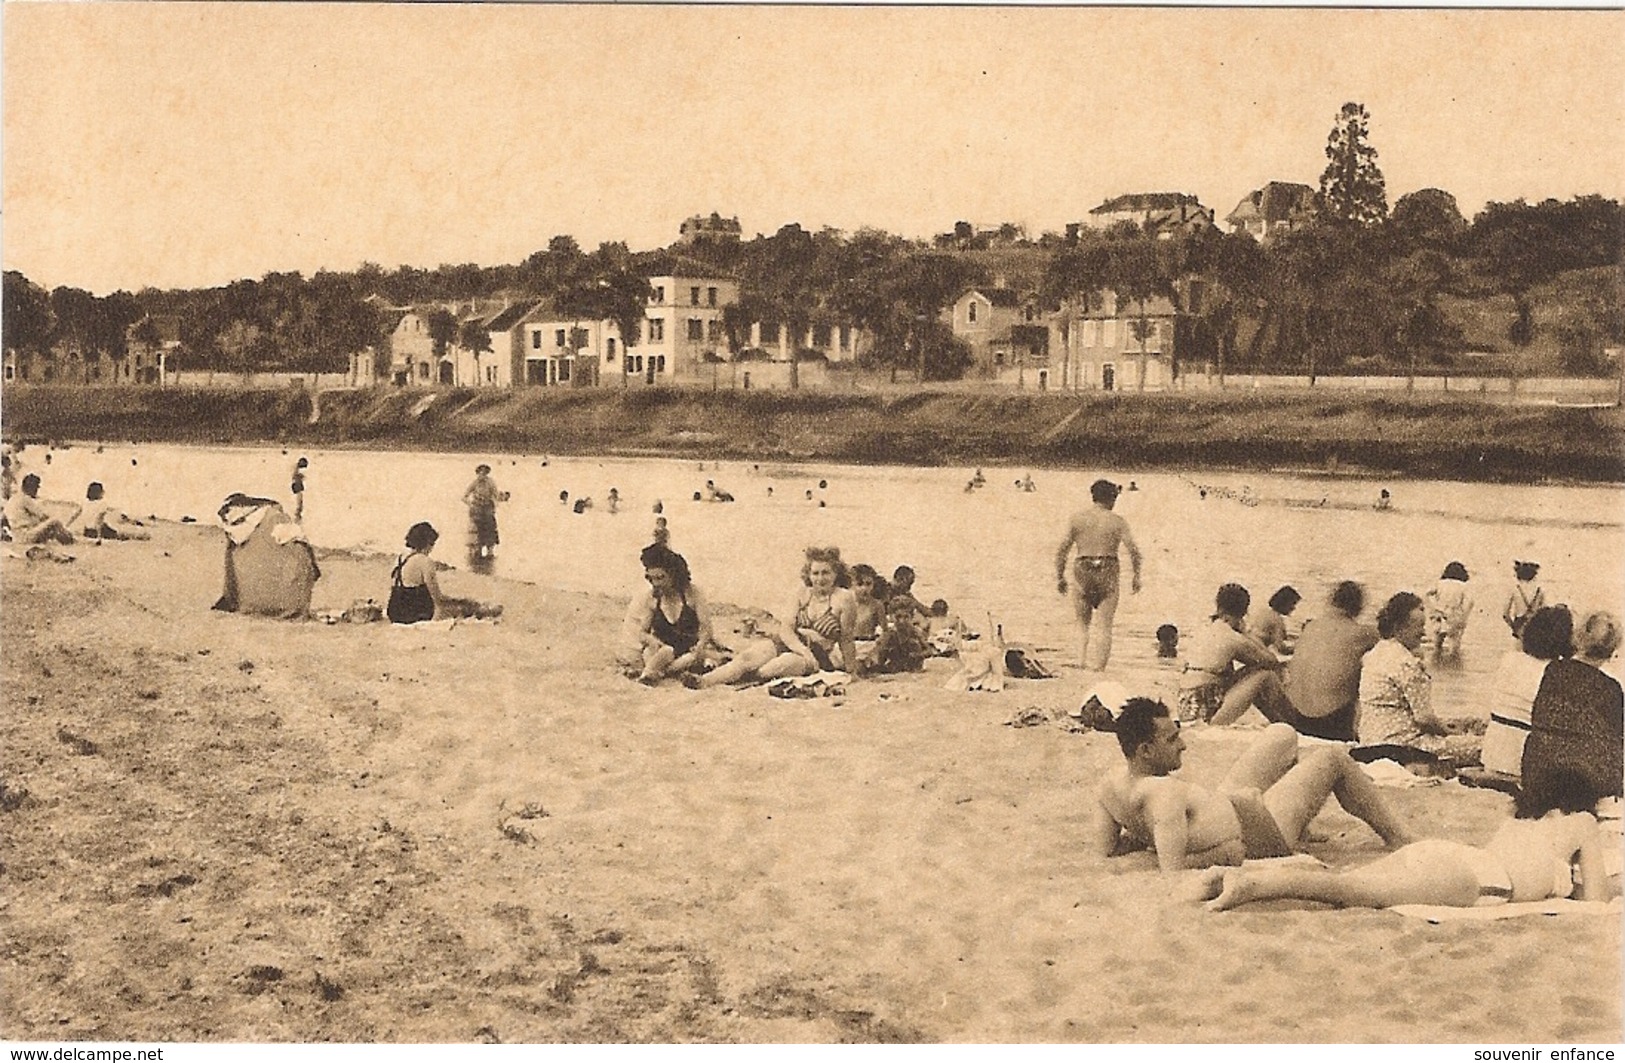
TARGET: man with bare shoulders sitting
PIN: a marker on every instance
(1097, 533)
(1261, 810)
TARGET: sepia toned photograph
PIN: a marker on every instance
(707, 524)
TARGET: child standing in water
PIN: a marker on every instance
(1526, 596)
(1448, 607)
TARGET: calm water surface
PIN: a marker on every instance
(989, 553)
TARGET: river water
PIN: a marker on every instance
(990, 553)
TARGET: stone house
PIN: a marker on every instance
(1108, 344)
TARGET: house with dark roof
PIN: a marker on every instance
(1158, 214)
(715, 229)
(1278, 207)
(1002, 326)
(500, 366)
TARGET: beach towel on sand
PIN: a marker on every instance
(270, 569)
(1435, 913)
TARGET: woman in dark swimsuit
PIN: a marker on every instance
(415, 592)
(671, 621)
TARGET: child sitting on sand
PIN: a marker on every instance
(944, 629)
(902, 593)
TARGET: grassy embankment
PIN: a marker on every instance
(1422, 436)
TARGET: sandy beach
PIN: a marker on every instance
(226, 828)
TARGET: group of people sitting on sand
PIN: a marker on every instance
(848, 619)
(28, 519)
(1370, 685)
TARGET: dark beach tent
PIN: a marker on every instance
(268, 572)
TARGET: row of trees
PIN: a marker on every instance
(1357, 284)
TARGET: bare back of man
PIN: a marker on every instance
(1094, 538)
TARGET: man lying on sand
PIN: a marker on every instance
(1267, 799)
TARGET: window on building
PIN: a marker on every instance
(657, 330)
(490, 374)
(558, 337)
(660, 294)
(696, 328)
(660, 363)
(609, 350)
(639, 360)
(694, 296)
(713, 330)
(535, 339)
(970, 312)
(770, 332)
(820, 336)
(578, 338)
(710, 297)
(998, 358)
(628, 364)
(423, 370)
(564, 369)
(1108, 332)
(846, 338)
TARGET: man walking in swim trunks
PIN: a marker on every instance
(1097, 533)
(1262, 809)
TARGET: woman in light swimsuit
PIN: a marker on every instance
(671, 620)
(1533, 857)
(826, 612)
(1226, 671)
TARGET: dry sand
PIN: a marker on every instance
(219, 827)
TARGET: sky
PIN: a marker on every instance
(189, 145)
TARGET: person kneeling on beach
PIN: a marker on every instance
(1262, 809)
(416, 595)
(668, 626)
(1533, 857)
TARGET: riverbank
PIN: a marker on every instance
(224, 828)
(1419, 436)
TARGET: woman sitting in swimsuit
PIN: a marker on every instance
(1533, 857)
(415, 595)
(670, 621)
(1226, 670)
(826, 612)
